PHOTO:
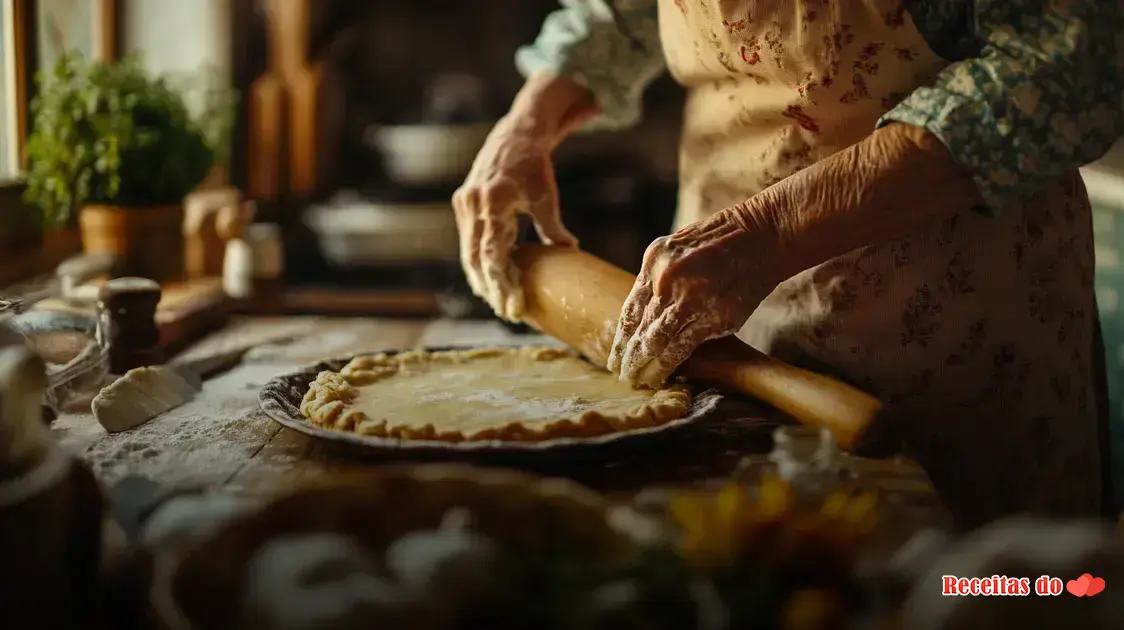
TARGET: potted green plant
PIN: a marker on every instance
(122, 148)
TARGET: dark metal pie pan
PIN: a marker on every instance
(281, 397)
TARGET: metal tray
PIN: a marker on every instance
(281, 397)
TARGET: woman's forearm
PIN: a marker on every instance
(552, 107)
(899, 180)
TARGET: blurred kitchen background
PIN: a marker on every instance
(360, 118)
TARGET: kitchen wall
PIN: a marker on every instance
(179, 36)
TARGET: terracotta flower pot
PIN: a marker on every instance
(148, 241)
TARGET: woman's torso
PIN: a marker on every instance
(978, 331)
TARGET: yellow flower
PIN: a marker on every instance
(709, 525)
(717, 528)
(775, 497)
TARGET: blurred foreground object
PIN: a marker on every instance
(1024, 548)
(778, 557)
(50, 505)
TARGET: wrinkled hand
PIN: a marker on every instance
(512, 174)
(705, 280)
(700, 283)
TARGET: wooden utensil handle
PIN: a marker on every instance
(577, 298)
(812, 399)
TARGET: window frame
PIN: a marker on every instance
(42, 249)
(26, 56)
(21, 14)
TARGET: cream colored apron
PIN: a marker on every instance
(979, 332)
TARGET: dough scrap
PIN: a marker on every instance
(525, 394)
(141, 395)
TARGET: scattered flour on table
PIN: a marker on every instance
(205, 441)
(210, 438)
(450, 332)
(338, 339)
(242, 334)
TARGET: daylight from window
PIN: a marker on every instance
(7, 94)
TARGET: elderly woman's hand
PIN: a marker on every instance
(700, 283)
(513, 174)
(705, 280)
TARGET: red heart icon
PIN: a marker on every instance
(1096, 585)
(1080, 586)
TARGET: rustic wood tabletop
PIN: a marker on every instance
(222, 438)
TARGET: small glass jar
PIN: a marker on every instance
(808, 459)
(75, 351)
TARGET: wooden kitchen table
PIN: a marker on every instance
(222, 439)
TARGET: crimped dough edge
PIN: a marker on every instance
(327, 402)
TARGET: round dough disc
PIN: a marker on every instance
(529, 393)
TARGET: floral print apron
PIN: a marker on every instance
(978, 333)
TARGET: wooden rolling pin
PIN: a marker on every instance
(577, 298)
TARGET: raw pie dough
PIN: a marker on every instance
(520, 394)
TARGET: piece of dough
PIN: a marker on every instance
(140, 395)
(521, 394)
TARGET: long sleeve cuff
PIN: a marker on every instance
(1041, 99)
(610, 47)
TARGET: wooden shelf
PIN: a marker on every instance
(319, 301)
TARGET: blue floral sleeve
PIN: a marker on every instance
(1041, 97)
(610, 46)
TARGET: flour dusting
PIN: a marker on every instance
(499, 403)
(496, 391)
(205, 441)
